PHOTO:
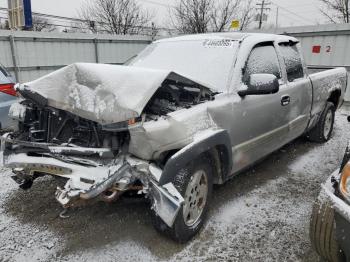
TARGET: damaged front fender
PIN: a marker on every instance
(203, 142)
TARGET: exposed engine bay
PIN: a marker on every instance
(93, 157)
(175, 95)
(58, 127)
(41, 123)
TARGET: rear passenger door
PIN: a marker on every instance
(299, 89)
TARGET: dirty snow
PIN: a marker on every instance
(261, 215)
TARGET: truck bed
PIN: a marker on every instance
(323, 84)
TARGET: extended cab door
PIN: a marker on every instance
(299, 89)
(260, 123)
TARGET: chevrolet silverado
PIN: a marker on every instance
(186, 113)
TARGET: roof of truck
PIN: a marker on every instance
(232, 36)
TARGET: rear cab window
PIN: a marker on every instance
(292, 61)
(263, 59)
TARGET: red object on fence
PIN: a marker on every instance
(316, 49)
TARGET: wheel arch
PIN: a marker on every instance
(334, 97)
(216, 145)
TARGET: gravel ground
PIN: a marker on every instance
(260, 215)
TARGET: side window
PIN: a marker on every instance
(262, 60)
(292, 59)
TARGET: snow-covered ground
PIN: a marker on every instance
(261, 215)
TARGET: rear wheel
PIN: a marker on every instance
(194, 183)
(322, 233)
(323, 130)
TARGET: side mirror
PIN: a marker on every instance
(261, 84)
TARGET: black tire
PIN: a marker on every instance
(317, 134)
(323, 234)
(180, 232)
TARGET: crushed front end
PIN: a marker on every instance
(105, 130)
(93, 160)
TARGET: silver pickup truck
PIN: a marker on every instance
(186, 113)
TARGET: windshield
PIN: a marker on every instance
(206, 61)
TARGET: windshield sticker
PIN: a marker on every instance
(218, 43)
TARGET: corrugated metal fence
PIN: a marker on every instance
(29, 55)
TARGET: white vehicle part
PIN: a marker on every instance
(167, 202)
(88, 182)
(102, 93)
(327, 193)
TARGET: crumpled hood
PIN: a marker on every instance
(102, 93)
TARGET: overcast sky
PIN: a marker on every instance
(291, 13)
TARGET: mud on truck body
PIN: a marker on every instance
(186, 113)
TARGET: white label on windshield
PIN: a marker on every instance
(218, 43)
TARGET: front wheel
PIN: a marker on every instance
(323, 130)
(194, 183)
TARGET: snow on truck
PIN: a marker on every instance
(186, 113)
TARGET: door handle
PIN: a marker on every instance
(285, 100)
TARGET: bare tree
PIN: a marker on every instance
(114, 16)
(336, 10)
(193, 16)
(201, 16)
(42, 24)
(246, 14)
(223, 14)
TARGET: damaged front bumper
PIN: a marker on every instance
(88, 179)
